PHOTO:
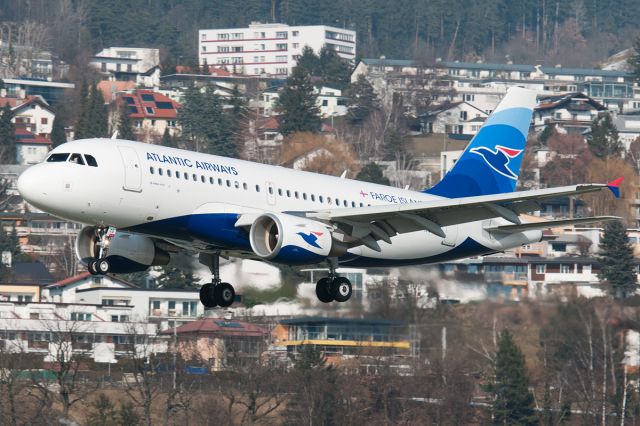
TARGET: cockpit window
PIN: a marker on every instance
(76, 158)
(91, 160)
(58, 158)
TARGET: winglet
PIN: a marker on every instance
(614, 186)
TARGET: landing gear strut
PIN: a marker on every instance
(100, 265)
(215, 293)
(333, 287)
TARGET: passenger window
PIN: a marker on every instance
(160, 172)
(295, 194)
(202, 178)
(219, 181)
(271, 190)
(313, 197)
(236, 184)
(280, 192)
(57, 158)
(195, 178)
(353, 204)
(337, 202)
(178, 174)
(91, 161)
(361, 205)
(228, 183)
(244, 186)
(186, 176)
(321, 199)
(304, 196)
(211, 180)
(169, 173)
(328, 200)
(257, 188)
(151, 170)
(76, 158)
(345, 203)
(288, 193)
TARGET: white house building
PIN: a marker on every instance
(460, 118)
(138, 64)
(329, 100)
(270, 49)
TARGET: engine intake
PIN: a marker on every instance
(284, 238)
(127, 252)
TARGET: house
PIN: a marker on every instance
(569, 113)
(165, 307)
(111, 88)
(100, 333)
(31, 148)
(140, 65)
(453, 118)
(64, 291)
(151, 112)
(51, 91)
(33, 114)
(220, 342)
(340, 339)
(628, 127)
(25, 282)
(264, 140)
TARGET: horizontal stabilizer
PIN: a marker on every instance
(550, 224)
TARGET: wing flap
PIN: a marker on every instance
(550, 224)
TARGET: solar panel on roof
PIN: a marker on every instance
(129, 100)
(147, 97)
(228, 324)
(133, 109)
(164, 105)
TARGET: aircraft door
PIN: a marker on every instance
(271, 194)
(132, 169)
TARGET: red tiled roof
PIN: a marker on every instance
(26, 137)
(267, 123)
(182, 69)
(11, 101)
(220, 326)
(146, 104)
(219, 72)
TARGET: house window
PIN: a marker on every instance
(565, 269)
(80, 316)
(44, 120)
(463, 115)
(541, 269)
(325, 102)
(103, 66)
(155, 304)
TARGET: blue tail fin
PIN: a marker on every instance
(491, 162)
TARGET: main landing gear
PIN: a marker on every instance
(215, 293)
(333, 287)
(100, 265)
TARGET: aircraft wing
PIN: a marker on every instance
(367, 225)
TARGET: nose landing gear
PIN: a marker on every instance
(100, 265)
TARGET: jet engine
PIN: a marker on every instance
(127, 252)
(293, 240)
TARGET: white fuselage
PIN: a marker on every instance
(194, 199)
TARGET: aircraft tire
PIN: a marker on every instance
(341, 289)
(224, 294)
(91, 267)
(323, 290)
(207, 296)
(102, 266)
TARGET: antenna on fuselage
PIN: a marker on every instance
(115, 135)
(343, 175)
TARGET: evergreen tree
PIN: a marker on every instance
(176, 278)
(127, 415)
(167, 139)
(205, 126)
(83, 116)
(103, 412)
(603, 139)
(372, 173)
(335, 71)
(634, 60)
(99, 115)
(616, 256)
(1, 84)
(362, 100)
(7, 136)
(546, 133)
(512, 401)
(58, 135)
(309, 62)
(297, 105)
(125, 126)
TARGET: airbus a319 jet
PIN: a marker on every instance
(144, 203)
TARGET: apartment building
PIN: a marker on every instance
(270, 49)
(138, 64)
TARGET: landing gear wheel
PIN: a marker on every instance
(224, 294)
(91, 267)
(207, 296)
(341, 289)
(102, 266)
(323, 290)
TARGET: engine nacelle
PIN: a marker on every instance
(127, 252)
(293, 240)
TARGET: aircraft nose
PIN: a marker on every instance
(30, 185)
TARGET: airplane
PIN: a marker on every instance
(142, 203)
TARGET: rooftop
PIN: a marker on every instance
(220, 326)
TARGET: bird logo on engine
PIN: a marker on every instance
(311, 238)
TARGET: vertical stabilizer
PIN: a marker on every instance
(491, 162)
